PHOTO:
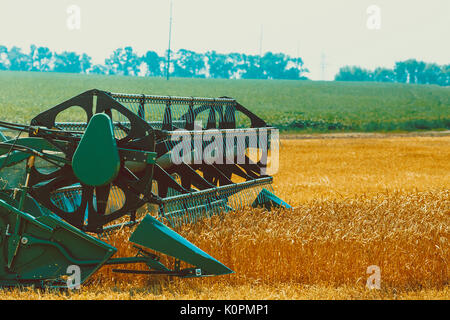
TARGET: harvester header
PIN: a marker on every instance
(157, 162)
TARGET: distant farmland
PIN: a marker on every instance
(292, 106)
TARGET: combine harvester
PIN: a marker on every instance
(157, 162)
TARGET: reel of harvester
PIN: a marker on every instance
(175, 159)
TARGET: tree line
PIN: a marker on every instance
(184, 63)
(409, 71)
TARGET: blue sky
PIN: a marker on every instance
(336, 28)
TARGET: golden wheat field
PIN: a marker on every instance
(357, 202)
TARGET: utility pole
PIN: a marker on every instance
(260, 50)
(298, 57)
(170, 37)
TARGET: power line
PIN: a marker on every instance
(170, 37)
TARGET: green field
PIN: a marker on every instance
(292, 106)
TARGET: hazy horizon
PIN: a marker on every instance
(337, 29)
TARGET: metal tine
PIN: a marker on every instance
(232, 201)
(258, 193)
(243, 198)
(191, 214)
(173, 211)
(228, 202)
(222, 208)
(130, 106)
(180, 215)
(179, 211)
(205, 207)
(163, 210)
(210, 207)
(198, 208)
(238, 195)
(229, 198)
(186, 217)
(175, 220)
(190, 208)
(199, 205)
(214, 205)
(196, 213)
(241, 195)
(172, 218)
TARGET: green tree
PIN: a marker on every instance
(122, 61)
(85, 63)
(353, 73)
(401, 75)
(251, 67)
(4, 61)
(238, 64)
(153, 62)
(384, 75)
(281, 66)
(67, 62)
(430, 74)
(444, 76)
(99, 69)
(273, 65)
(414, 70)
(41, 58)
(220, 65)
(189, 64)
(19, 61)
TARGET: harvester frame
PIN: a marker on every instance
(118, 161)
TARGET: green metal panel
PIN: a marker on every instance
(268, 200)
(44, 246)
(154, 235)
(96, 161)
(10, 158)
(37, 144)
